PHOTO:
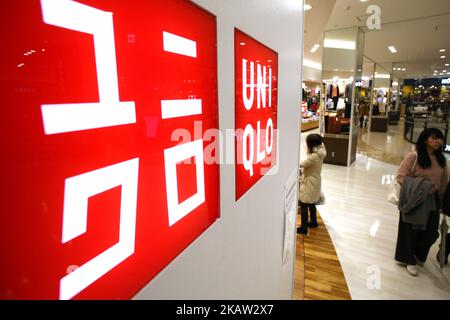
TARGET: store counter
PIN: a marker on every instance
(337, 149)
(379, 124)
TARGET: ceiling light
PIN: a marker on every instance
(444, 71)
(443, 57)
(315, 48)
(308, 7)
(404, 69)
(392, 49)
(441, 74)
(311, 64)
(339, 44)
(447, 64)
(442, 50)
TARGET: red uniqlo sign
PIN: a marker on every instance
(256, 69)
(98, 192)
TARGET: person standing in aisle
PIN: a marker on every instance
(310, 181)
(418, 227)
(363, 113)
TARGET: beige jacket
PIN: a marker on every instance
(310, 182)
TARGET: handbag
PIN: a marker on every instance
(394, 188)
(321, 200)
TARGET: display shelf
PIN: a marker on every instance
(379, 124)
(310, 125)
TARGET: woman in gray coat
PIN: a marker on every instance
(310, 182)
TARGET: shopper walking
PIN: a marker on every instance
(310, 181)
(363, 114)
(423, 179)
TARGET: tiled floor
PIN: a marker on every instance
(363, 225)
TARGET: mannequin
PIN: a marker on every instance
(334, 94)
(348, 92)
(348, 99)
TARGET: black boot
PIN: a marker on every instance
(313, 224)
(302, 230)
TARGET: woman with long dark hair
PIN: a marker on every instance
(428, 161)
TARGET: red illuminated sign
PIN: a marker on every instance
(256, 70)
(99, 194)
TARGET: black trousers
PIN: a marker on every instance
(335, 102)
(416, 243)
(361, 121)
(304, 207)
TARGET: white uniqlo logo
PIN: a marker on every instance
(109, 111)
(174, 109)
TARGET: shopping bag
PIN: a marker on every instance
(394, 188)
(394, 193)
(443, 246)
(321, 200)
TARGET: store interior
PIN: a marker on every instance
(402, 87)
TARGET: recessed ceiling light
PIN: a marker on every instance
(447, 64)
(404, 69)
(315, 48)
(441, 74)
(339, 44)
(392, 49)
(364, 0)
(444, 71)
(308, 7)
(443, 57)
(442, 50)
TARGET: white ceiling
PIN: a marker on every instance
(417, 28)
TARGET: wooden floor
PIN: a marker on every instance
(299, 281)
(319, 274)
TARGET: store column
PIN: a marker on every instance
(372, 95)
(342, 69)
